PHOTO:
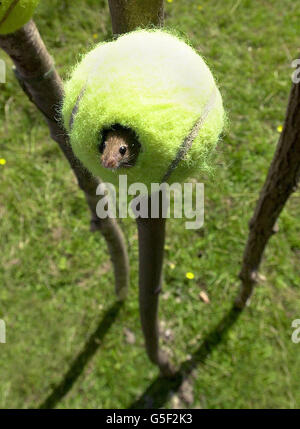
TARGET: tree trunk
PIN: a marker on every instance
(35, 71)
(151, 234)
(281, 181)
(127, 15)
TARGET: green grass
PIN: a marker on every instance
(56, 279)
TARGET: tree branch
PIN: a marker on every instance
(151, 234)
(127, 15)
(36, 73)
(281, 181)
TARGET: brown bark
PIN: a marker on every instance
(35, 71)
(127, 15)
(281, 181)
(151, 234)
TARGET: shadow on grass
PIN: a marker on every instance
(162, 388)
(83, 357)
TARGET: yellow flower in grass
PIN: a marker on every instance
(279, 128)
(169, 1)
(95, 36)
(171, 265)
(200, 7)
(189, 275)
(2, 161)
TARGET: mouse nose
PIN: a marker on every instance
(109, 163)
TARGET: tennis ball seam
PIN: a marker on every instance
(76, 107)
(8, 11)
(189, 139)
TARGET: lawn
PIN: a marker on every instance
(68, 344)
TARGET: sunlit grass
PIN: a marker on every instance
(56, 279)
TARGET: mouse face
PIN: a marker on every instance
(119, 148)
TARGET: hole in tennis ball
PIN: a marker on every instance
(119, 146)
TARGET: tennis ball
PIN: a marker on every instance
(156, 84)
(15, 13)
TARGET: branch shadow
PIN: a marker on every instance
(79, 363)
(160, 390)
